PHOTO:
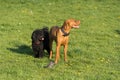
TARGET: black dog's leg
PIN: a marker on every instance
(40, 55)
(48, 50)
(36, 54)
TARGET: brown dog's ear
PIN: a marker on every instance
(68, 24)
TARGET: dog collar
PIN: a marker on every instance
(64, 33)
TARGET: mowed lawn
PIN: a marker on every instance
(93, 50)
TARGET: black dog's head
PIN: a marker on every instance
(37, 36)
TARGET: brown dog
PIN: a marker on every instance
(61, 36)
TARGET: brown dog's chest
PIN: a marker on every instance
(62, 39)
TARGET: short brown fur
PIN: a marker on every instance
(57, 34)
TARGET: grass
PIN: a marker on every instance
(93, 51)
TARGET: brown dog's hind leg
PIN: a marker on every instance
(57, 53)
(50, 44)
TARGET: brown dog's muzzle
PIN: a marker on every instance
(76, 24)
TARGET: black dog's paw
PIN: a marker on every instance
(35, 55)
(38, 56)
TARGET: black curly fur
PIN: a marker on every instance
(40, 42)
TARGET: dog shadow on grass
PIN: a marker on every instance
(118, 31)
(22, 49)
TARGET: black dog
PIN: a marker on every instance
(40, 41)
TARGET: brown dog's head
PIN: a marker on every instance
(71, 23)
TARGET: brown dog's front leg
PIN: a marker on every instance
(57, 54)
(65, 52)
(50, 54)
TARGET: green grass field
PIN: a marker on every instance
(93, 50)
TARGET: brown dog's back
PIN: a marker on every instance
(53, 32)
